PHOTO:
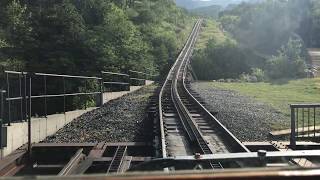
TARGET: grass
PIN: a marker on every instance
(279, 95)
(209, 30)
(184, 31)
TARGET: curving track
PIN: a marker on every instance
(186, 127)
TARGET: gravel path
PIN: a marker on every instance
(246, 118)
(120, 120)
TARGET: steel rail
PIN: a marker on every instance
(162, 133)
(193, 133)
(231, 139)
(177, 75)
(160, 163)
(73, 162)
(234, 144)
(184, 114)
(185, 117)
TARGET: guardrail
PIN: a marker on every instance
(34, 86)
(18, 85)
(41, 94)
(121, 82)
(116, 81)
(305, 122)
(138, 78)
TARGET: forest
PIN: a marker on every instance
(85, 37)
(268, 40)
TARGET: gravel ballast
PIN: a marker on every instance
(119, 120)
(246, 118)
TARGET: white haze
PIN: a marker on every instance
(191, 4)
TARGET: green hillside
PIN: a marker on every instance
(209, 11)
(85, 37)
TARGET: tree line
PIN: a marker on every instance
(270, 37)
(86, 37)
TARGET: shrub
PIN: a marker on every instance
(289, 62)
(259, 74)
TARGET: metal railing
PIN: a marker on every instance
(121, 81)
(138, 78)
(41, 94)
(305, 122)
(30, 87)
(18, 85)
(116, 81)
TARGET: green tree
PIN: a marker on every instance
(220, 60)
(288, 63)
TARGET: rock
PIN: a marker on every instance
(116, 121)
(247, 119)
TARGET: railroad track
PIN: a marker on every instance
(186, 126)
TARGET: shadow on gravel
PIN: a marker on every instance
(120, 120)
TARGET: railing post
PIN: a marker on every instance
(101, 92)
(29, 77)
(293, 129)
(64, 96)
(25, 98)
(20, 94)
(2, 117)
(9, 102)
(45, 98)
(128, 80)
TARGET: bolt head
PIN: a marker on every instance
(197, 155)
(262, 153)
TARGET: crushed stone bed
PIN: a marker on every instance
(246, 118)
(119, 120)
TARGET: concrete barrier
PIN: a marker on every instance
(17, 133)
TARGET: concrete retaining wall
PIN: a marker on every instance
(17, 133)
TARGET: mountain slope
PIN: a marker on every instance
(208, 11)
(192, 4)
